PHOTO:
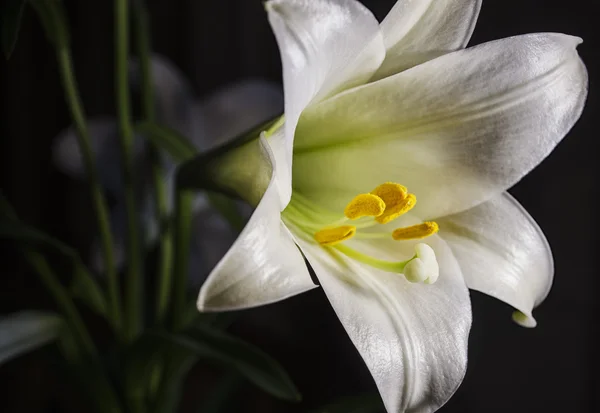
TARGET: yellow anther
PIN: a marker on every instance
(397, 201)
(390, 192)
(332, 236)
(394, 211)
(364, 205)
(415, 231)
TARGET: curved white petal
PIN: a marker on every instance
(413, 337)
(456, 130)
(416, 31)
(234, 110)
(326, 46)
(502, 252)
(262, 266)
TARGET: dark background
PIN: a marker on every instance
(511, 369)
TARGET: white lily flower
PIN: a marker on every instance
(206, 122)
(369, 107)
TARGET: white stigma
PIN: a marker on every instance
(424, 267)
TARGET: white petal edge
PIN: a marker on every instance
(456, 130)
(502, 252)
(326, 46)
(263, 265)
(412, 337)
(416, 31)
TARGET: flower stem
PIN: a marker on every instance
(52, 16)
(64, 302)
(133, 315)
(163, 290)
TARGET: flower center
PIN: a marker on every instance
(381, 206)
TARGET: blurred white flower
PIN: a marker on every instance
(369, 107)
(206, 122)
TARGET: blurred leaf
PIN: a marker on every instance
(228, 351)
(17, 231)
(363, 403)
(175, 144)
(173, 377)
(248, 360)
(156, 360)
(52, 17)
(10, 22)
(84, 286)
(88, 375)
(25, 331)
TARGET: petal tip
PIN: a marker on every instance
(524, 320)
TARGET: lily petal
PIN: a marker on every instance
(412, 337)
(326, 46)
(456, 130)
(416, 31)
(263, 265)
(502, 252)
(235, 109)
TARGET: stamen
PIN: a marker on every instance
(333, 236)
(364, 205)
(388, 266)
(422, 230)
(422, 267)
(397, 201)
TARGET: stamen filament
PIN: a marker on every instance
(373, 235)
(389, 266)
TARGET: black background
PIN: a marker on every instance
(511, 369)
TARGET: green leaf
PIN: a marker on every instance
(175, 144)
(10, 21)
(231, 352)
(14, 230)
(84, 286)
(248, 360)
(363, 403)
(25, 331)
(52, 17)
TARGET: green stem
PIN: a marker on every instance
(183, 219)
(133, 315)
(64, 302)
(163, 290)
(52, 16)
